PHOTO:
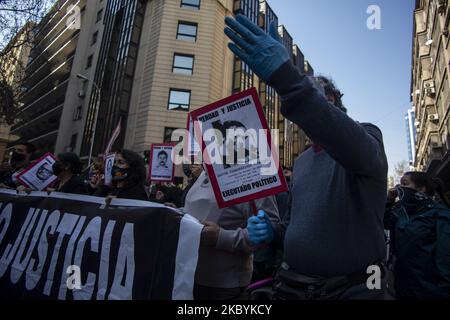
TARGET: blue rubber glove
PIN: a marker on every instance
(260, 229)
(263, 53)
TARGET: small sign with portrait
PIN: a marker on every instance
(39, 175)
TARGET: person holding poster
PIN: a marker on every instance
(334, 232)
(67, 168)
(128, 178)
(224, 266)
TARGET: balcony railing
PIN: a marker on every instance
(57, 75)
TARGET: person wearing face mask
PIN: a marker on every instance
(67, 168)
(128, 177)
(21, 154)
(333, 230)
(420, 235)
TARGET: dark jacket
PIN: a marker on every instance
(75, 185)
(335, 223)
(422, 251)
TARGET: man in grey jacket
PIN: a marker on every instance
(334, 229)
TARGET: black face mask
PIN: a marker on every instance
(412, 200)
(57, 168)
(119, 174)
(17, 157)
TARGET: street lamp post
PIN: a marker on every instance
(97, 106)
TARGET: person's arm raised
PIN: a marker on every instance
(358, 148)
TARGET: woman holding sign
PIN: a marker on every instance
(224, 266)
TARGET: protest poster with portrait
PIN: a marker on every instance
(162, 167)
(192, 147)
(237, 146)
(39, 175)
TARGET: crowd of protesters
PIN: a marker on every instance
(315, 241)
(249, 252)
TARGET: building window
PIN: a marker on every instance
(77, 114)
(99, 15)
(89, 62)
(168, 134)
(187, 31)
(179, 99)
(194, 4)
(94, 38)
(183, 64)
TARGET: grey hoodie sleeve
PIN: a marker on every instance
(237, 240)
(357, 147)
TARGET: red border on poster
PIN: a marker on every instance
(257, 195)
(31, 167)
(151, 161)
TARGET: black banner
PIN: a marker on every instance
(62, 246)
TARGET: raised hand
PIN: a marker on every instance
(263, 53)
